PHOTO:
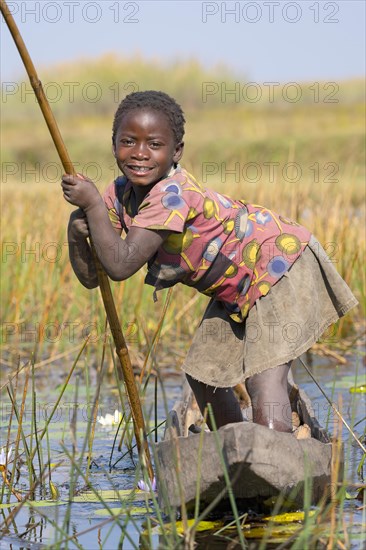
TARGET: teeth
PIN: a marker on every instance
(140, 168)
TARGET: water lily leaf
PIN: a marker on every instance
(35, 503)
(356, 495)
(358, 389)
(349, 381)
(44, 503)
(288, 517)
(136, 511)
(202, 526)
(71, 389)
(111, 495)
(179, 526)
(274, 531)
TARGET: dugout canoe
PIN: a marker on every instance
(262, 463)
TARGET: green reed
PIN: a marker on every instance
(324, 525)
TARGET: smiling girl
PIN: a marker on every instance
(273, 289)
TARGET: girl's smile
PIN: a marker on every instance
(145, 148)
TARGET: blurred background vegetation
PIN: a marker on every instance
(296, 148)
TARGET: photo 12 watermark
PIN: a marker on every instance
(53, 252)
(270, 92)
(269, 172)
(27, 11)
(52, 172)
(269, 332)
(270, 12)
(65, 412)
(251, 172)
(71, 332)
(68, 92)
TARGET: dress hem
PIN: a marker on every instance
(279, 361)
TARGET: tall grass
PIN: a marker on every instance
(305, 160)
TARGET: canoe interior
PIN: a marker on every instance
(263, 465)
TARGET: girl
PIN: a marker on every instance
(273, 289)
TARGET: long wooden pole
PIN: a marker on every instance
(333, 406)
(105, 288)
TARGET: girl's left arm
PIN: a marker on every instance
(120, 258)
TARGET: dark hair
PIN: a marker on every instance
(156, 101)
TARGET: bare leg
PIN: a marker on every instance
(225, 406)
(270, 399)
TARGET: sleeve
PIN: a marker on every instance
(164, 207)
(113, 206)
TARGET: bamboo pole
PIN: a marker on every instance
(109, 305)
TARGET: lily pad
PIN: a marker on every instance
(288, 517)
(44, 503)
(35, 503)
(136, 511)
(358, 389)
(110, 495)
(275, 531)
(349, 381)
(285, 530)
(179, 527)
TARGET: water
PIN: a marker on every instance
(36, 528)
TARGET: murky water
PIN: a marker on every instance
(40, 527)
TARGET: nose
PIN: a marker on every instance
(140, 151)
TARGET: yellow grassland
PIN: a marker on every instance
(303, 159)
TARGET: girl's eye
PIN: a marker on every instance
(155, 144)
(126, 141)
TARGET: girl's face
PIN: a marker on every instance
(145, 147)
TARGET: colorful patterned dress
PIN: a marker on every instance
(227, 249)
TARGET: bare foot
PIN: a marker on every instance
(302, 432)
(295, 420)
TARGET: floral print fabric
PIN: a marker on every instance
(227, 249)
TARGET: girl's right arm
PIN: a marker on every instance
(81, 256)
(120, 258)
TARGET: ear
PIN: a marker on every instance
(178, 152)
(113, 150)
